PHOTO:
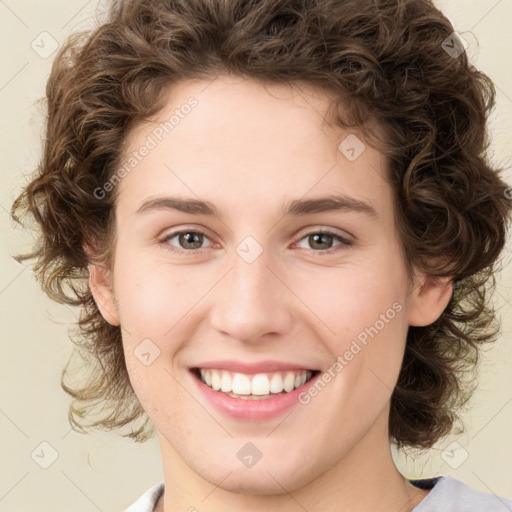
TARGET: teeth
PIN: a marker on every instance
(215, 381)
(241, 385)
(261, 384)
(289, 382)
(276, 383)
(225, 383)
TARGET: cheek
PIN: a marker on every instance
(152, 298)
(354, 297)
(364, 309)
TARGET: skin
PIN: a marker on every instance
(248, 148)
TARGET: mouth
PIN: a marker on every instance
(256, 386)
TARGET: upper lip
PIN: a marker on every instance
(249, 368)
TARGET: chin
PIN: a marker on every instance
(260, 480)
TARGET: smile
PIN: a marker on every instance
(256, 386)
(252, 396)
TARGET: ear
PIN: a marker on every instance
(429, 298)
(102, 290)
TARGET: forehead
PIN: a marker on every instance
(203, 113)
(260, 140)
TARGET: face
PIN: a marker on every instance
(316, 287)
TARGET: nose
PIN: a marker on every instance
(253, 300)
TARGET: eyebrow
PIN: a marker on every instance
(296, 207)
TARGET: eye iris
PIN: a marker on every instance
(190, 237)
(318, 236)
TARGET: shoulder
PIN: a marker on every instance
(450, 494)
(147, 502)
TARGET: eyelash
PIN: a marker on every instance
(342, 246)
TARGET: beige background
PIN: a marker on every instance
(106, 473)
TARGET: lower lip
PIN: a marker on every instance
(252, 410)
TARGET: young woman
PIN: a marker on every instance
(281, 223)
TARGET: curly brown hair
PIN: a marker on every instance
(386, 63)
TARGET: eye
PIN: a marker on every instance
(321, 241)
(188, 240)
